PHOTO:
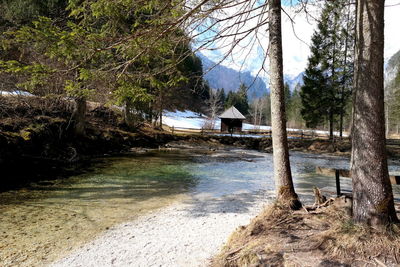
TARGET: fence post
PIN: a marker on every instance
(337, 175)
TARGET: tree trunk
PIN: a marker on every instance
(372, 191)
(334, 87)
(78, 116)
(129, 121)
(161, 108)
(387, 128)
(150, 113)
(282, 173)
(161, 114)
(341, 121)
(342, 103)
(331, 125)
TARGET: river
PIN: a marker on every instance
(49, 220)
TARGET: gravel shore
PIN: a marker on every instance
(188, 233)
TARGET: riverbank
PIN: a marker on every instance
(322, 237)
(211, 190)
(37, 142)
(184, 190)
(184, 234)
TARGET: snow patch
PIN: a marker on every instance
(15, 93)
(196, 121)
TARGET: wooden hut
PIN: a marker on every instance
(231, 120)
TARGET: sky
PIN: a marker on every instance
(296, 39)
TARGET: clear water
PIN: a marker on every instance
(47, 220)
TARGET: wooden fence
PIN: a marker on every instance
(301, 134)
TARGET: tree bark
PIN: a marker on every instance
(78, 116)
(334, 85)
(387, 120)
(161, 108)
(341, 120)
(282, 172)
(129, 121)
(331, 125)
(373, 202)
(343, 87)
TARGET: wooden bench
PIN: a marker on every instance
(346, 174)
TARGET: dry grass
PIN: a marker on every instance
(324, 237)
(346, 240)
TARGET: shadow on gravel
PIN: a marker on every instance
(237, 203)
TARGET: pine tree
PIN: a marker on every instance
(221, 98)
(238, 100)
(327, 79)
(243, 100)
(294, 110)
(101, 46)
(347, 37)
(313, 92)
(21, 12)
(288, 95)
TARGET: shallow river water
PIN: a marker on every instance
(47, 220)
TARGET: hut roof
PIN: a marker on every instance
(232, 113)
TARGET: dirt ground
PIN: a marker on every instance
(323, 237)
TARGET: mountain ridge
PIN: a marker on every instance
(219, 76)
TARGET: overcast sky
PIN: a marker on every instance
(296, 49)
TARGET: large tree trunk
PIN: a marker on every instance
(282, 173)
(78, 116)
(372, 192)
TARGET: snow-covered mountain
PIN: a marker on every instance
(230, 79)
(223, 77)
(293, 81)
(392, 68)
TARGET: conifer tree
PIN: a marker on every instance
(238, 99)
(287, 95)
(221, 98)
(313, 92)
(294, 109)
(328, 77)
